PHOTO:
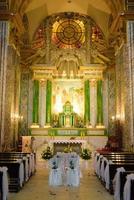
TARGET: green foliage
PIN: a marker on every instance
(86, 154)
(47, 154)
(67, 149)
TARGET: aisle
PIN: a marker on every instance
(37, 188)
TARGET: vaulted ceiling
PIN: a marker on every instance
(99, 10)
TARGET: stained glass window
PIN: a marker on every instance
(68, 33)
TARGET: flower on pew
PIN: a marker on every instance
(86, 154)
(71, 164)
(47, 154)
(54, 166)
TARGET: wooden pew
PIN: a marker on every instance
(31, 158)
(125, 160)
(132, 190)
(15, 157)
(3, 183)
(117, 153)
(123, 176)
(120, 158)
(112, 171)
(114, 161)
(13, 172)
(1, 186)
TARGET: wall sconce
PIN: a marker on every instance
(117, 117)
(113, 118)
(15, 116)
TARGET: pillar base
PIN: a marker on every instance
(89, 125)
(34, 125)
(47, 125)
(100, 126)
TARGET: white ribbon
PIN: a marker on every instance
(32, 163)
(26, 168)
(106, 175)
(116, 181)
(4, 182)
(21, 173)
(102, 170)
(127, 187)
(95, 161)
(98, 165)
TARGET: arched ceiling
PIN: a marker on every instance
(98, 10)
(64, 5)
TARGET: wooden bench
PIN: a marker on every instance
(125, 160)
(1, 186)
(123, 176)
(112, 171)
(31, 159)
(132, 190)
(3, 183)
(15, 157)
(13, 172)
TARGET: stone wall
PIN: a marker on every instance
(9, 90)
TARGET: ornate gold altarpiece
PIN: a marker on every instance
(48, 74)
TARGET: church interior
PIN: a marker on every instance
(66, 99)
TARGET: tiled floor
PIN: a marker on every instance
(38, 189)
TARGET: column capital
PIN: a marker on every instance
(93, 82)
(43, 82)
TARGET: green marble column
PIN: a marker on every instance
(99, 103)
(87, 102)
(35, 102)
(48, 102)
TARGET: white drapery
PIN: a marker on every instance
(116, 182)
(127, 187)
(64, 169)
(4, 182)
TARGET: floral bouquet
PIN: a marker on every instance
(47, 154)
(86, 154)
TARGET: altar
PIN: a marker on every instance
(68, 145)
(67, 118)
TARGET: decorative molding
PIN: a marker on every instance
(15, 18)
(122, 16)
(93, 71)
(42, 72)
